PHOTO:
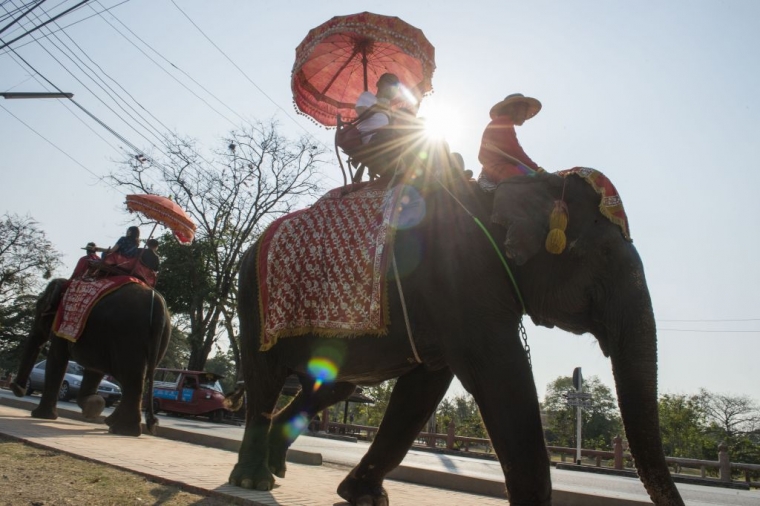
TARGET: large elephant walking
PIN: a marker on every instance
(126, 335)
(464, 314)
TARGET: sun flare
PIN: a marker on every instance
(441, 120)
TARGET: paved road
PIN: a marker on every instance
(344, 453)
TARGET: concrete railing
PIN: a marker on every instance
(616, 458)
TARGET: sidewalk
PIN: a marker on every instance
(176, 462)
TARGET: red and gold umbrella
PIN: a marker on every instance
(343, 57)
(166, 212)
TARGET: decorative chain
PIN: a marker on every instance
(524, 335)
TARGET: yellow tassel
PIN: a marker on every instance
(558, 217)
(556, 241)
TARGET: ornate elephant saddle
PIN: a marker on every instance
(80, 297)
(322, 269)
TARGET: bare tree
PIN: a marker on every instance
(733, 415)
(232, 197)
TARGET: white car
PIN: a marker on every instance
(71, 383)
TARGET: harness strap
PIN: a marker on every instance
(403, 308)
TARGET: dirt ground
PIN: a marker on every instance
(31, 476)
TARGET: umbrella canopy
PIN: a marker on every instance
(166, 212)
(340, 59)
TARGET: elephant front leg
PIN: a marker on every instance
(503, 387)
(55, 369)
(414, 399)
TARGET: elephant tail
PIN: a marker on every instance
(234, 400)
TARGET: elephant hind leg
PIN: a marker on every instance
(263, 388)
(412, 402)
(88, 399)
(92, 406)
(289, 422)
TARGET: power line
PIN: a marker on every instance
(60, 149)
(70, 24)
(5, 44)
(167, 61)
(246, 75)
(63, 104)
(144, 123)
(15, 20)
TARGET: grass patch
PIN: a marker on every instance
(40, 477)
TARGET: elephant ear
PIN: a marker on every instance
(522, 205)
(51, 297)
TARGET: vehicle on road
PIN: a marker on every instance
(195, 393)
(72, 380)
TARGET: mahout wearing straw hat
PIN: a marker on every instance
(533, 105)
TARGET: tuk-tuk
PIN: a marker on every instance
(199, 393)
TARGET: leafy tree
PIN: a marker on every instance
(223, 364)
(601, 422)
(464, 412)
(368, 414)
(232, 196)
(682, 425)
(27, 259)
(178, 351)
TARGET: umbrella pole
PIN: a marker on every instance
(364, 65)
(153, 230)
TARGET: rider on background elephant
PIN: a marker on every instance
(126, 335)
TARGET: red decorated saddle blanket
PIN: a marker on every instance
(611, 205)
(78, 300)
(322, 269)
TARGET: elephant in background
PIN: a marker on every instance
(126, 336)
(464, 314)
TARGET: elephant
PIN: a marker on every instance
(126, 336)
(464, 301)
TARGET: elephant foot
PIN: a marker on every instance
(92, 406)
(152, 425)
(125, 429)
(361, 493)
(277, 457)
(245, 477)
(45, 413)
(18, 390)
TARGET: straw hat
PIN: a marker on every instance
(90, 246)
(533, 105)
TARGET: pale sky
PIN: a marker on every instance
(660, 96)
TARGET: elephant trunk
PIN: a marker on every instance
(633, 351)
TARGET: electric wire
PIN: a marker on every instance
(166, 60)
(6, 44)
(132, 146)
(63, 104)
(113, 132)
(61, 150)
(15, 20)
(246, 75)
(69, 25)
(110, 92)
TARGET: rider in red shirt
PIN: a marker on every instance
(500, 152)
(84, 263)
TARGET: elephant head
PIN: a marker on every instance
(39, 334)
(595, 285)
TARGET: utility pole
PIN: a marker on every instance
(578, 384)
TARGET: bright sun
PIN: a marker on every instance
(441, 120)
